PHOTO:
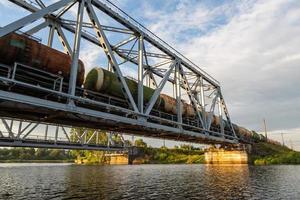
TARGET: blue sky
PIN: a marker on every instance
(251, 47)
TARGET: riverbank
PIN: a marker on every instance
(271, 154)
(32, 155)
(170, 156)
(145, 155)
(262, 153)
(37, 161)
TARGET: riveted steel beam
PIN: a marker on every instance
(32, 17)
(37, 28)
(76, 48)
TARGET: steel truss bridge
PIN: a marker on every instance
(35, 97)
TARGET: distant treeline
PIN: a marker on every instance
(149, 155)
(34, 154)
(183, 154)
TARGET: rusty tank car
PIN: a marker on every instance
(28, 51)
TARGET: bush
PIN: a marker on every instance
(291, 157)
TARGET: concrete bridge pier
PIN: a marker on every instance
(227, 155)
(133, 153)
(124, 158)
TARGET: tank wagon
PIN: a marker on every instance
(23, 49)
(104, 81)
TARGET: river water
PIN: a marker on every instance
(64, 181)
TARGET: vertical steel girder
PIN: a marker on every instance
(109, 68)
(178, 92)
(140, 75)
(211, 111)
(11, 134)
(150, 80)
(220, 115)
(202, 100)
(51, 35)
(76, 48)
(56, 134)
(46, 132)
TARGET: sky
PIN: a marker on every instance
(251, 47)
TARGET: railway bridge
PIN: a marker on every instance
(42, 108)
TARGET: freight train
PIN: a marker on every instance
(26, 50)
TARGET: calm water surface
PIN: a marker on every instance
(63, 181)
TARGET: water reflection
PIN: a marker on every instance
(227, 181)
(149, 182)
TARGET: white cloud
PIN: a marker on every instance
(90, 55)
(247, 56)
(254, 54)
(5, 3)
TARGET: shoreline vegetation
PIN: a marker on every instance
(184, 154)
(36, 161)
(272, 154)
(262, 153)
(32, 155)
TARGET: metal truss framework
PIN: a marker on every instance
(157, 64)
(24, 133)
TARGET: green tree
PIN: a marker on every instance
(186, 147)
(93, 157)
(127, 143)
(55, 154)
(41, 154)
(140, 143)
